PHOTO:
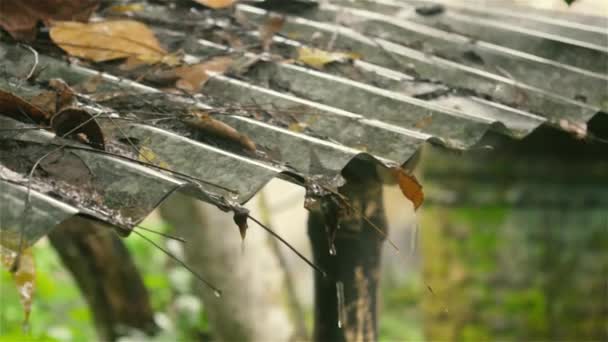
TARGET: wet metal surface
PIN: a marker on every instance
(429, 73)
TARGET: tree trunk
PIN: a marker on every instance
(106, 275)
(521, 253)
(251, 308)
(346, 300)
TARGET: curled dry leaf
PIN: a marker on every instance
(272, 26)
(318, 58)
(191, 78)
(409, 185)
(215, 127)
(79, 124)
(24, 277)
(216, 4)
(20, 17)
(20, 109)
(109, 40)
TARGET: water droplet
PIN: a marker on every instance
(217, 293)
(340, 324)
(332, 249)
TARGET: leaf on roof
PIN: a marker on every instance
(126, 8)
(20, 109)
(272, 26)
(20, 17)
(147, 155)
(24, 277)
(216, 4)
(219, 129)
(110, 40)
(409, 185)
(78, 124)
(191, 78)
(318, 58)
(52, 101)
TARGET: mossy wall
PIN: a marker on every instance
(515, 246)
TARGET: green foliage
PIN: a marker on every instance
(59, 312)
(57, 297)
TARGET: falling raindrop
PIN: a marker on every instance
(332, 249)
(217, 293)
(340, 297)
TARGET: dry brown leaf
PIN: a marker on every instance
(46, 100)
(272, 26)
(20, 17)
(52, 101)
(89, 86)
(409, 185)
(66, 96)
(20, 109)
(215, 127)
(24, 277)
(191, 78)
(80, 125)
(109, 40)
(216, 4)
(318, 58)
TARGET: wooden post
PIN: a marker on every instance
(346, 300)
(107, 277)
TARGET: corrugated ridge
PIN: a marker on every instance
(383, 121)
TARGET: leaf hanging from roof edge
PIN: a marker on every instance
(24, 277)
(109, 40)
(16, 107)
(216, 4)
(409, 185)
(20, 17)
(240, 218)
(318, 58)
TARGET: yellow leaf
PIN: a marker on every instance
(108, 40)
(216, 4)
(146, 155)
(24, 277)
(127, 8)
(318, 58)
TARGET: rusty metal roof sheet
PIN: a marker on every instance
(430, 72)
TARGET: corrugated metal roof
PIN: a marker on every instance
(428, 73)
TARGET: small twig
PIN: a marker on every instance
(310, 263)
(165, 235)
(216, 291)
(33, 69)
